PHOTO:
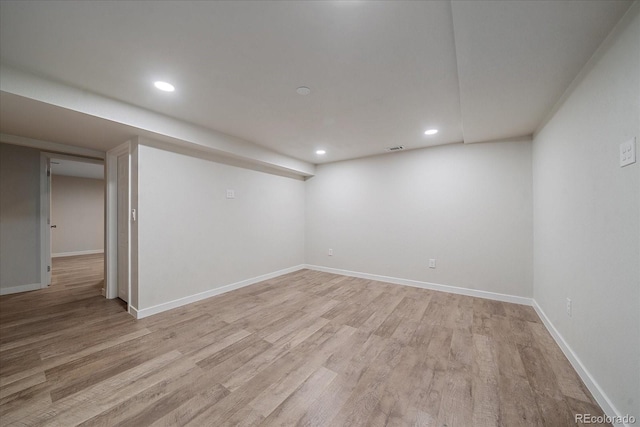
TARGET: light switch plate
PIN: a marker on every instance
(628, 152)
(231, 194)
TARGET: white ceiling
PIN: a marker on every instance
(380, 72)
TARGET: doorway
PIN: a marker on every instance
(72, 219)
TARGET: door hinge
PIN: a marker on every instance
(48, 269)
(48, 171)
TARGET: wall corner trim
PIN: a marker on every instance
(145, 312)
(426, 285)
(595, 389)
(133, 311)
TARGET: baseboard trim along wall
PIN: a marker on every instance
(589, 381)
(89, 252)
(426, 285)
(21, 288)
(145, 312)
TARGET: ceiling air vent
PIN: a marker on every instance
(396, 148)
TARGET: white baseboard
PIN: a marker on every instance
(145, 312)
(426, 285)
(89, 252)
(597, 392)
(21, 288)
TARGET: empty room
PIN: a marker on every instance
(320, 213)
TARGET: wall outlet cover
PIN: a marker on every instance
(628, 152)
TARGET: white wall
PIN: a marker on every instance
(77, 210)
(467, 206)
(587, 218)
(193, 239)
(19, 218)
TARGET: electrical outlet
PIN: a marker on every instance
(432, 263)
(569, 307)
(330, 252)
(231, 194)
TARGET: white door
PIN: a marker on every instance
(123, 227)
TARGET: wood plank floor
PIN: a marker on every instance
(304, 349)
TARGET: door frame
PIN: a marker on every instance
(111, 223)
(45, 220)
(45, 208)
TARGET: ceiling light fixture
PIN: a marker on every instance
(321, 152)
(431, 131)
(164, 86)
(303, 90)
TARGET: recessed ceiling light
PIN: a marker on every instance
(321, 152)
(167, 87)
(431, 132)
(303, 90)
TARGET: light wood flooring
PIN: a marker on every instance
(304, 349)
